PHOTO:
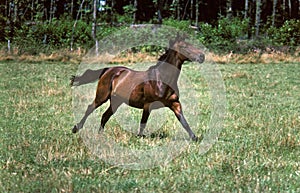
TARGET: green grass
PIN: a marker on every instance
(258, 150)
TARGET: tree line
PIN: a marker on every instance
(145, 10)
(258, 14)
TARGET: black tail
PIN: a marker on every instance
(88, 76)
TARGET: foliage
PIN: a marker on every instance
(233, 28)
(231, 35)
(45, 37)
(181, 25)
(227, 35)
(221, 37)
(224, 35)
(287, 34)
(3, 30)
(129, 9)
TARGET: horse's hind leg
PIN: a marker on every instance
(114, 105)
(96, 103)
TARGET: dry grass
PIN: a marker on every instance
(134, 58)
(123, 58)
(130, 57)
(257, 57)
(57, 56)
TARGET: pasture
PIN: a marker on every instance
(258, 149)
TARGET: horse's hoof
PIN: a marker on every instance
(75, 129)
(100, 130)
(196, 139)
(141, 135)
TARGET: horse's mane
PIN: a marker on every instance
(161, 59)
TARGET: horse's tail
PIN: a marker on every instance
(88, 76)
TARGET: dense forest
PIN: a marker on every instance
(33, 25)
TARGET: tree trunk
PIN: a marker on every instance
(283, 10)
(197, 12)
(135, 5)
(6, 8)
(159, 11)
(8, 47)
(72, 9)
(16, 6)
(111, 12)
(229, 8)
(178, 9)
(8, 11)
(74, 26)
(192, 9)
(290, 8)
(246, 9)
(257, 17)
(94, 26)
(274, 12)
(32, 10)
(51, 11)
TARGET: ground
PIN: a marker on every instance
(258, 149)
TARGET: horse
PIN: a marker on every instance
(148, 90)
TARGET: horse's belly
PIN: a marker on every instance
(137, 98)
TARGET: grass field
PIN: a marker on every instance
(258, 149)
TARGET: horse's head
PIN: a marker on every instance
(186, 51)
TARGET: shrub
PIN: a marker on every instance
(223, 36)
(181, 25)
(46, 37)
(233, 28)
(287, 34)
(228, 34)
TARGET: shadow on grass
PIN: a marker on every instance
(159, 135)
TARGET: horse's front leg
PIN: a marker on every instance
(177, 109)
(145, 116)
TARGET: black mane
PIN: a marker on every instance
(161, 59)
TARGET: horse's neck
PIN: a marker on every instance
(169, 68)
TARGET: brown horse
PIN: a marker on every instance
(147, 90)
